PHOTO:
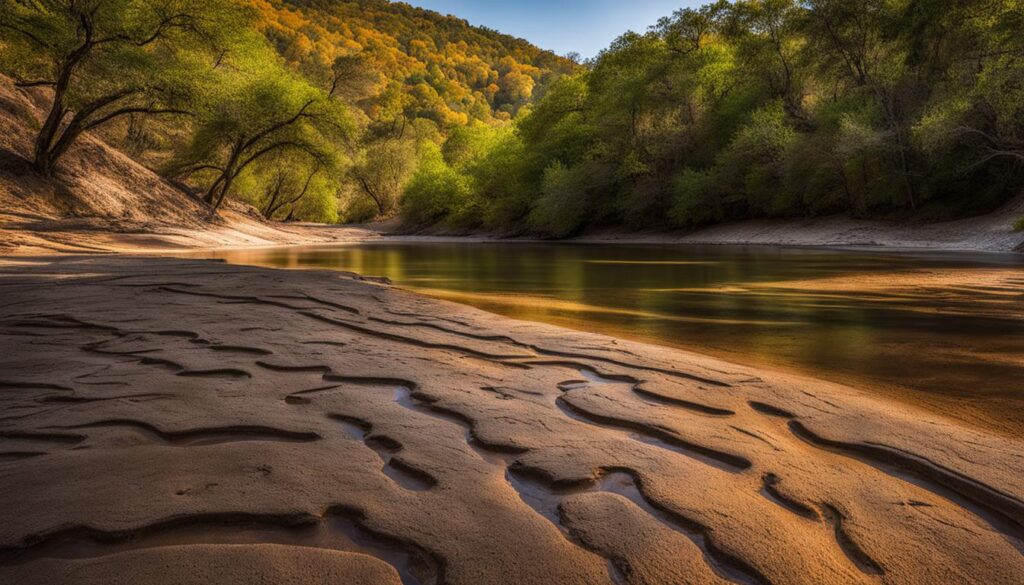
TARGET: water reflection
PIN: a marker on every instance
(947, 326)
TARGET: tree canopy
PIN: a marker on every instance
(343, 110)
(107, 59)
(759, 108)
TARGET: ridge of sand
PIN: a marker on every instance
(165, 416)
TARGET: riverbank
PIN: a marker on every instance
(825, 313)
(23, 233)
(27, 230)
(205, 416)
(993, 232)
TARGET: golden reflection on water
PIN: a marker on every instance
(520, 304)
(947, 328)
(652, 262)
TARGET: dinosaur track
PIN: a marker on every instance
(554, 353)
(849, 546)
(681, 403)
(592, 375)
(503, 457)
(404, 339)
(771, 491)
(228, 373)
(293, 369)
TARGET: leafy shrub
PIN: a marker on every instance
(695, 199)
(436, 191)
(563, 205)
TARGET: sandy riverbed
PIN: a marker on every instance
(176, 421)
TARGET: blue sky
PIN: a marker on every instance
(583, 26)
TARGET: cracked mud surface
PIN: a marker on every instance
(169, 421)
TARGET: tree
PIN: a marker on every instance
(105, 59)
(252, 118)
(688, 29)
(288, 184)
(352, 78)
(382, 168)
(765, 31)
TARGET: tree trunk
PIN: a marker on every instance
(272, 204)
(366, 187)
(219, 189)
(43, 157)
(223, 192)
(43, 160)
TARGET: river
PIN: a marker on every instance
(943, 330)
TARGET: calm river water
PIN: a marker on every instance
(936, 327)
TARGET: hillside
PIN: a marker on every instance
(434, 66)
(406, 76)
(102, 200)
(909, 111)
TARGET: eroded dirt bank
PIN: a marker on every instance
(183, 421)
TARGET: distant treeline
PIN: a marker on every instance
(345, 110)
(755, 108)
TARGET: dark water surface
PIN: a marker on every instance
(929, 326)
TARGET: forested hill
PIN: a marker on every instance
(307, 109)
(345, 110)
(758, 108)
(435, 66)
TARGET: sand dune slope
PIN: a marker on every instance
(165, 418)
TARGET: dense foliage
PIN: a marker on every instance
(345, 110)
(107, 60)
(756, 108)
(308, 109)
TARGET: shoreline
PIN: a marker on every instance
(321, 235)
(980, 411)
(986, 233)
(189, 243)
(510, 449)
(21, 234)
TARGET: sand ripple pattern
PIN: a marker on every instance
(242, 422)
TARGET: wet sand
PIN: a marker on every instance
(180, 421)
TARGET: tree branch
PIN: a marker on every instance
(283, 124)
(270, 148)
(125, 111)
(39, 83)
(28, 34)
(187, 170)
(166, 23)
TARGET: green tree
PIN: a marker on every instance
(106, 59)
(435, 191)
(255, 116)
(381, 169)
(284, 181)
